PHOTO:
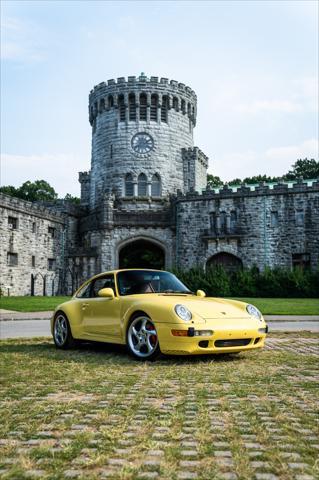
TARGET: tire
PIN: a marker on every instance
(141, 338)
(62, 334)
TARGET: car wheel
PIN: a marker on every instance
(142, 339)
(62, 334)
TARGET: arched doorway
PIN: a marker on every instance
(228, 261)
(142, 254)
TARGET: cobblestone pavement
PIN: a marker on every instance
(295, 345)
(245, 417)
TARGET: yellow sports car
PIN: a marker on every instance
(151, 311)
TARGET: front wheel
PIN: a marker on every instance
(62, 334)
(142, 339)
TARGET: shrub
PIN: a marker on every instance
(277, 282)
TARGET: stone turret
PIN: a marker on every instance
(139, 128)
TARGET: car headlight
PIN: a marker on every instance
(254, 311)
(183, 312)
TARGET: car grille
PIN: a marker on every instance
(238, 342)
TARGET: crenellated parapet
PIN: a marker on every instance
(30, 208)
(134, 96)
(261, 189)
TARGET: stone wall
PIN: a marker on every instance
(32, 241)
(261, 226)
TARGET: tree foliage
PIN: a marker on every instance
(32, 191)
(303, 168)
(36, 191)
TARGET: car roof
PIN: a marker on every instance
(126, 270)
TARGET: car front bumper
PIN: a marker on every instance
(222, 340)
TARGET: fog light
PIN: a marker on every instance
(263, 330)
(203, 333)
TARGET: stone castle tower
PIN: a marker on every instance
(142, 140)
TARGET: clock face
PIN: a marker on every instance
(142, 143)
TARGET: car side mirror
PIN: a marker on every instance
(201, 293)
(106, 293)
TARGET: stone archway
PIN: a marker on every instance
(228, 261)
(142, 253)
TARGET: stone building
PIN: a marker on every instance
(144, 202)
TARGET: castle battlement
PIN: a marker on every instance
(115, 94)
(30, 208)
(261, 189)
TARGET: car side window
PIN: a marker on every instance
(85, 291)
(102, 282)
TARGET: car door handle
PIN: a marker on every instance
(84, 305)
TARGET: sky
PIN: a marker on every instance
(252, 64)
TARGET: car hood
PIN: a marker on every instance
(210, 308)
(206, 308)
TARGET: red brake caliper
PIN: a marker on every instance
(153, 338)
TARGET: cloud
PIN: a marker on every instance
(60, 170)
(281, 106)
(274, 161)
(21, 41)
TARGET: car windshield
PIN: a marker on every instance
(131, 282)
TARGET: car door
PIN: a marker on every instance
(101, 316)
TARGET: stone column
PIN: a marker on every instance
(227, 222)
(148, 108)
(126, 108)
(217, 224)
(135, 192)
(159, 108)
(149, 189)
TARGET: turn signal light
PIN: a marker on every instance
(192, 333)
(179, 333)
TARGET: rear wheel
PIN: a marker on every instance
(62, 334)
(142, 339)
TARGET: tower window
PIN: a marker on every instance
(175, 103)
(111, 101)
(51, 232)
(13, 223)
(129, 186)
(121, 108)
(164, 109)
(156, 186)
(183, 106)
(154, 106)
(132, 107)
(143, 106)
(142, 185)
(51, 264)
(12, 259)
(233, 219)
(34, 227)
(33, 261)
(274, 219)
(299, 218)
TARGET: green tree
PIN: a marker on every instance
(69, 198)
(303, 168)
(9, 190)
(32, 191)
(213, 181)
(38, 190)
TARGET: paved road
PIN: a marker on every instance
(41, 328)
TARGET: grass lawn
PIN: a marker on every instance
(31, 304)
(268, 306)
(93, 413)
(285, 306)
